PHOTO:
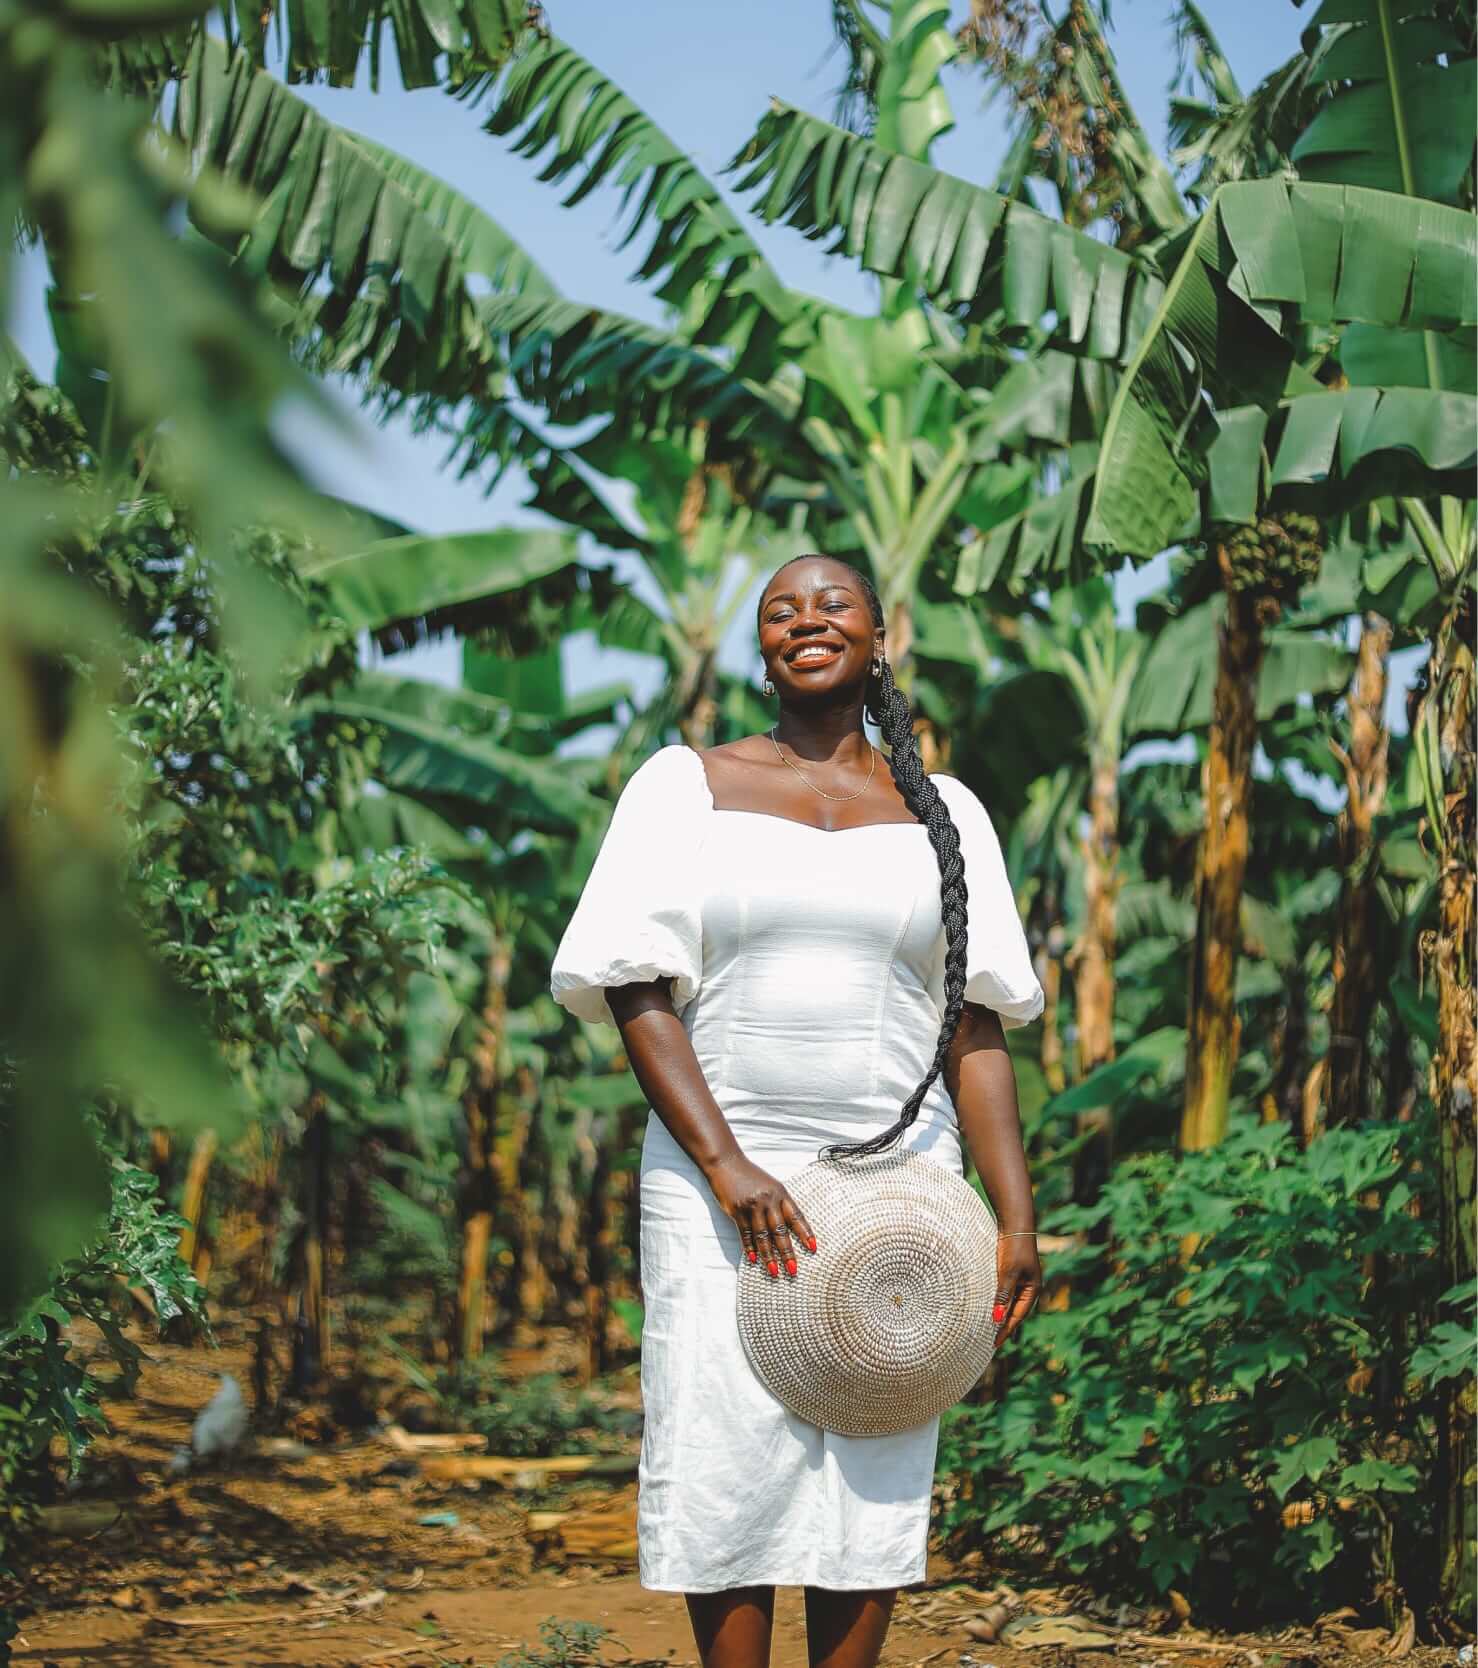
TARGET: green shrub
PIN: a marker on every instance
(48, 1395)
(1244, 1426)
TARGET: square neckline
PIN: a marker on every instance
(774, 816)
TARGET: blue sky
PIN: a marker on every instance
(704, 73)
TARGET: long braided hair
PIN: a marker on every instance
(888, 708)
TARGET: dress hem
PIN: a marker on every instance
(853, 1586)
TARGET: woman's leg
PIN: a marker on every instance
(847, 1630)
(733, 1628)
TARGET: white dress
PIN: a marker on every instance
(808, 970)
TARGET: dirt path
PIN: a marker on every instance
(327, 1546)
(434, 1625)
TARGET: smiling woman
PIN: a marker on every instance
(781, 991)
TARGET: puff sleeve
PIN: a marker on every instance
(999, 972)
(640, 914)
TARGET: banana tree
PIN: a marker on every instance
(1224, 415)
(459, 761)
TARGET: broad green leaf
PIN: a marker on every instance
(440, 578)
(1145, 1057)
(1266, 258)
(1401, 115)
(912, 106)
(1174, 690)
(1370, 1475)
(1304, 1461)
(576, 362)
(427, 757)
(1042, 544)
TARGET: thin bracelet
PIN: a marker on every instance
(1020, 1233)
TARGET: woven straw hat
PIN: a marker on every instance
(889, 1323)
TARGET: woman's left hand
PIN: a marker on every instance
(1018, 1283)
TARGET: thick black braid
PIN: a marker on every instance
(888, 708)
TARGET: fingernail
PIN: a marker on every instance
(998, 1314)
(811, 1243)
(790, 1265)
(753, 1255)
(774, 1272)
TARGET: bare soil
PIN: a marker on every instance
(313, 1547)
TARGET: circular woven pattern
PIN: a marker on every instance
(889, 1322)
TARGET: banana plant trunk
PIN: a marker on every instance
(697, 703)
(192, 1203)
(1093, 971)
(898, 639)
(1356, 976)
(1213, 1027)
(1454, 1085)
(315, 1338)
(1048, 963)
(479, 1191)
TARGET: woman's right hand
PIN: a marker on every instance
(764, 1213)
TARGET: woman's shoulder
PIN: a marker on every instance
(956, 795)
(674, 770)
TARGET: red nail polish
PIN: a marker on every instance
(774, 1272)
(753, 1255)
(790, 1265)
(811, 1243)
(998, 1314)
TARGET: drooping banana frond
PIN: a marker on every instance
(576, 362)
(483, 247)
(433, 42)
(700, 258)
(431, 748)
(392, 272)
(1200, 59)
(968, 249)
(492, 434)
(1048, 401)
(1174, 690)
(1267, 257)
(383, 288)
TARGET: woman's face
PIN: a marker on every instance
(816, 630)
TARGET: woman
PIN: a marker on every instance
(780, 931)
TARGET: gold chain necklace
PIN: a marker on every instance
(872, 766)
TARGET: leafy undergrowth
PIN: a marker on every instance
(1237, 1404)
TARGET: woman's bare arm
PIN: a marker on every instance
(982, 1083)
(664, 1064)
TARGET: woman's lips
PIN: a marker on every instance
(820, 655)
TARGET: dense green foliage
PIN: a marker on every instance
(1247, 1425)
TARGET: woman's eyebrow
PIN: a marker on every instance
(790, 596)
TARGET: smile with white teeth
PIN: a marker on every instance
(818, 651)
